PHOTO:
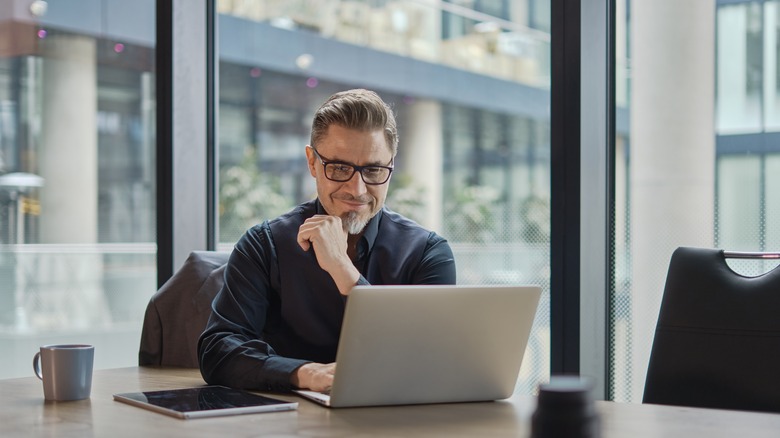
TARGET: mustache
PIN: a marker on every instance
(348, 197)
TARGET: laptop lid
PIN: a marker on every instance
(432, 344)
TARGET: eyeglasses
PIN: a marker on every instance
(342, 172)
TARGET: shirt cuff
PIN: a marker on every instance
(280, 371)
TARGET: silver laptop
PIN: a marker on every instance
(430, 344)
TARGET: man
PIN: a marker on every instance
(276, 322)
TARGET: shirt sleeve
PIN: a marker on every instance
(230, 350)
(437, 265)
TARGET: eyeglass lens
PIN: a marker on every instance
(343, 172)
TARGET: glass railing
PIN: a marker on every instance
(74, 293)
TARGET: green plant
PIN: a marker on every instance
(535, 213)
(470, 215)
(247, 196)
(406, 197)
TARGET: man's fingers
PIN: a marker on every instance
(311, 229)
(305, 232)
(315, 376)
(303, 238)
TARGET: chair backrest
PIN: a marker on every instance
(717, 341)
(177, 314)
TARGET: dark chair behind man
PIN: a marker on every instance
(178, 312)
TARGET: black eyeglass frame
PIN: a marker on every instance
(355, 168)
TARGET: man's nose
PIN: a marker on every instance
(356, 185)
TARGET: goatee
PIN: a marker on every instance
(353, 223)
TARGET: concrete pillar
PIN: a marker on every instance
(421, 152)
(672, 160)
(68, 155)
(68, 162)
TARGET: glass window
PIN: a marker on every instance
(77, 180)
(472, 165)
(740, 67)
(771, 46)
(739, 200)
(696, 165)
(772, 207)
(665, 175)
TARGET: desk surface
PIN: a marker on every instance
(25, 413)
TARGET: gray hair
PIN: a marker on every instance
(356, 109)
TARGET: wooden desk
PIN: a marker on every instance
(24, 413)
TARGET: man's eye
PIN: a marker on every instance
(372, 170)
(342, 168)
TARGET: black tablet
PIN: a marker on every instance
(204, 401)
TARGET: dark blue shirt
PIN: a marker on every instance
(279, 310)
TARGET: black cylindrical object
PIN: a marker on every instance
(565, 409)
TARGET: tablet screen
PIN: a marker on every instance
(204, 401)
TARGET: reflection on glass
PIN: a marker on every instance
(77, 194)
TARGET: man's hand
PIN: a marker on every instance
(315, 376)
(326, 235)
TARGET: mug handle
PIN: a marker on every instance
(37, 365)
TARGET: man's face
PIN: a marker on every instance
(354, 201)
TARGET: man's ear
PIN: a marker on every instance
(311, 159)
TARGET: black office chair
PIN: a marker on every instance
(717, 342)
(177, 314)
